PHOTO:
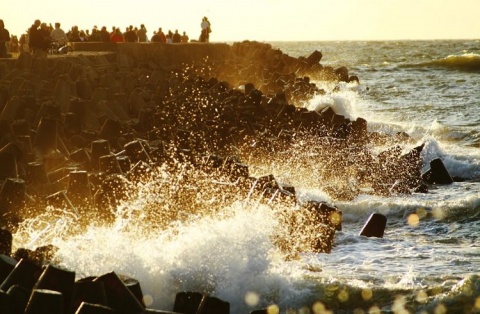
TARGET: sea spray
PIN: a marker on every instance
(183, 229)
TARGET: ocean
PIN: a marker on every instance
(429, 258)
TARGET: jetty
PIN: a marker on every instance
(77, 129)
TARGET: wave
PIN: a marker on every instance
(469, 62)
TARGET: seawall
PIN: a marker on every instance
(161, 54)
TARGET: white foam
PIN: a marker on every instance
(343, 101)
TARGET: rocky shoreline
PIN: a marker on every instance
(77, 131)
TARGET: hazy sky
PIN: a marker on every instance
(262, 20)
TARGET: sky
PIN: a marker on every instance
(261, 20)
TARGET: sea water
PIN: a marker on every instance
(428, 261)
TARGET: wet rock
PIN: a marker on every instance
(437, 174)
(375, 226)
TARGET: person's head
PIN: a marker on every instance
(2, 25)
(57, 25)
(43, 26)
(37, 23)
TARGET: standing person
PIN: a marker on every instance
(74, 34)
(14, 45)
(161, 35)
(39, 39)
(105, 35)
(130, 35)
(117, 37)
(176, 37)
(142, 34)
(206, 30)
(155, 38)
(184, 38)
(169, 37)
(59, 35)
(23, 42)
(95, 36)
(4, 40)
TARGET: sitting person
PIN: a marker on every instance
(58, 35)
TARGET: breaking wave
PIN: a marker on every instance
(469, 62)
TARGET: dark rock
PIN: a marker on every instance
(437, 174)
(375, 226)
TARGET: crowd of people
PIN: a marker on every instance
(41, 38)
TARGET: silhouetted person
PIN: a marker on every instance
(95, 36)
(39, 39)
(4, 39)
(74, 35)
(155, 38)
(58, 35)
(22, 42)
(14, 44)
(169, 37)
(176, 37)
(142, 34)
(117, 37)
(82, 36)
(131, 35)
(105, 35)
(206, 30)
(163, 38)
(184, 38)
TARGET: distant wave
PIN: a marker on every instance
(466, 62)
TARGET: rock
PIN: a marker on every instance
(437, 174)
(119, 297)
(375, 226)
(60, 280)
(45, 301)
(195, 302)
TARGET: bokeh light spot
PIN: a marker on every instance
(343, 296)
(374, 310)
(399, 305)
(422, 297)
(336, 218)
(367, 294)
(413, 220)
(251, 298)
(477, 303)
(438, 213)
(319, 308)
(421, 212)
(147, 300)
(440, 309)
(273, 309)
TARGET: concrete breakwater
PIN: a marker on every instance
(78, 129)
